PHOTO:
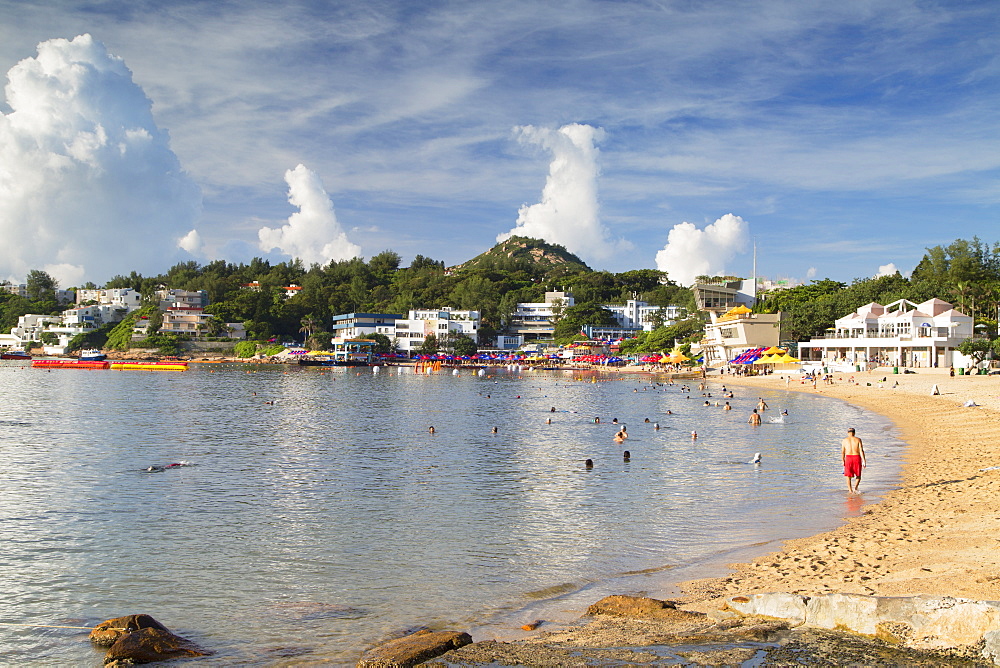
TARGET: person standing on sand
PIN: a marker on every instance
(852, 453)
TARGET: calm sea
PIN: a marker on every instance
(310, 527)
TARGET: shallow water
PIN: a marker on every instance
(310, 528)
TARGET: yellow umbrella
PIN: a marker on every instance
(773, 350)
(677, 356)
(768, 359)
(787, 359)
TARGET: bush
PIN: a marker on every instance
(244, 349)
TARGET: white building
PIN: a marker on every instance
(358, 325)
(126, 298)
(182, 299)
(411, 332)
(28, 330)
(737, 331)
(536, 320)
(899, 334)
(639, 315)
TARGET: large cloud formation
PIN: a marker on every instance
(568, 213)
(88, 184)
(312, 233)
(691, 252)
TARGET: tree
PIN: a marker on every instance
(465, 346)
(40, 286)
(429, 346)
(977, 349)
(383, 346)
(309, 325)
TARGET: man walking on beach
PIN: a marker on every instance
(852, 453)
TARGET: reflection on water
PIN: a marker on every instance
(318, 514)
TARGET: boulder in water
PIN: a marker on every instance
(135, 639)
(413, 649)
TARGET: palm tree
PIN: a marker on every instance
(309, 325)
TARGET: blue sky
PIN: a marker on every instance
(847, 136)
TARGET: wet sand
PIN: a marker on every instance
(938, 534)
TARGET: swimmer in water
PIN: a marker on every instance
(727, 407)
(495, 430)
(430, 430)
(694, 436)
(656, 426)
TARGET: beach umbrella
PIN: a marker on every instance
(787, 359)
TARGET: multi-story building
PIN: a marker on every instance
(737, 331)
(412, 331)
(898, 334)
(720, 296)
(536, 320)
(636, 315)
(357, 325)
(125, 298)
(182, 299)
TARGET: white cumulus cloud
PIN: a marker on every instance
(811, 273)
(568, 213)
(887, 269)
(692, 252)
(191, 242)
(89, 186)
(312, 233)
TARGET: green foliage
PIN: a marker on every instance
(574, 318)
(273, 349)
(429, 346)
(40, 286)
(165, 344)
(463, 345)
(120, 336)
(383, 346)
(245, 349)
(93, 339)
(662, 339)
(977, 349)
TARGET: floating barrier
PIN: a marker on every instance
(68, 364)
(150, 365)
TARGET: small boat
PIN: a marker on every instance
(15, 355)
(92, 355)
(69, 364)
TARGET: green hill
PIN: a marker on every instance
(523, 252)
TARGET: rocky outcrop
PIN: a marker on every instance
(919, 622)
(641, 607)
(136, 639)
(106, 633)
(618, 605)
(413, 649)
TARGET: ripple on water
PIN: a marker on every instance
(331, 518)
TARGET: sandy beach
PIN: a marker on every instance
(938, 534)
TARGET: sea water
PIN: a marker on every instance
(315, 513)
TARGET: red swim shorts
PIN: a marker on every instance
(852, 466)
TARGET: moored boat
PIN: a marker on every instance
(92, 355)
(14, 355)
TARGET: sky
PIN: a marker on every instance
(842, 139)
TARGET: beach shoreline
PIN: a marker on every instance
(934, 535)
